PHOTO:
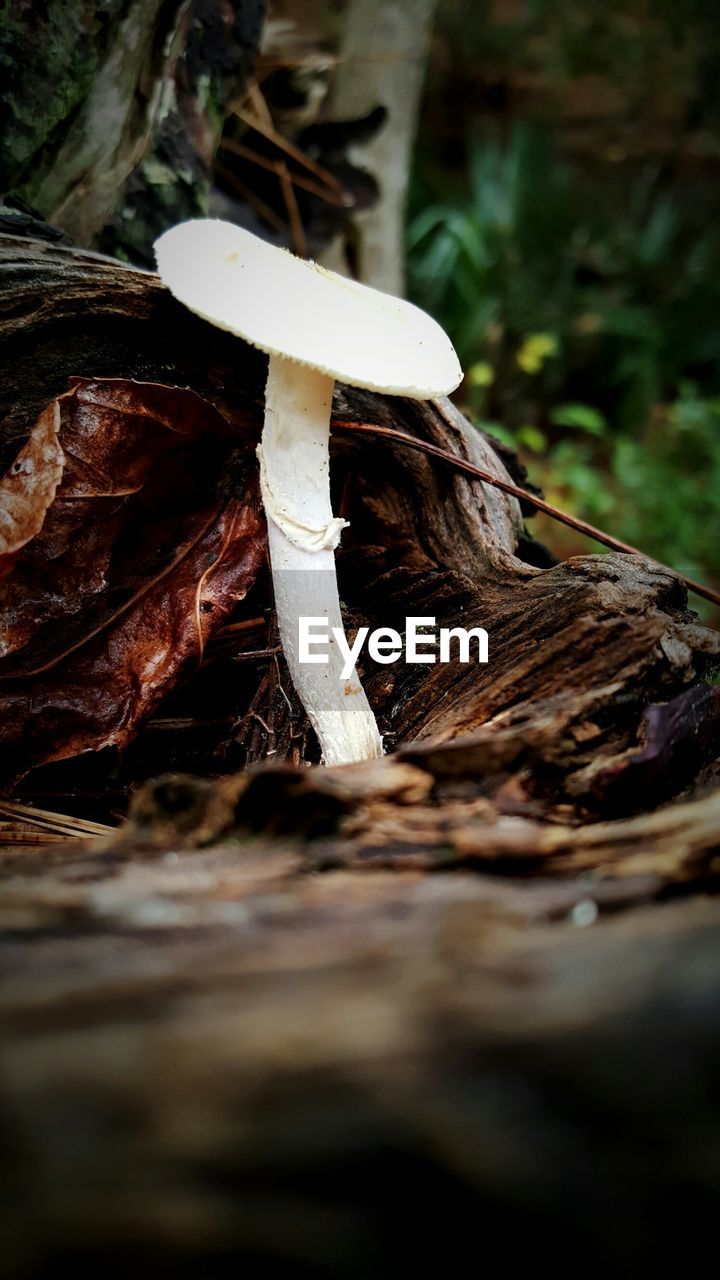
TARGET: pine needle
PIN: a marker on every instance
(58, 824)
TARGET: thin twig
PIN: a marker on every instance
(258, 102)
(281, 171)
(253, 715)
(270, 216)
(62, 823)
(177, 724)
(573, 522)
(199, 589)
(256, 654)
(297, 229)
(232, 628)
(272, 135)
(280, 683)
(225, 651)
(307, 184)
(266, 62)
(10, 835)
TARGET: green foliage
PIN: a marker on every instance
(562, 300)
(659, 491)
(591, 335)
(667, 483)
(582, 416)
(488, 261)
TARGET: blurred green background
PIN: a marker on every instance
(563, 227)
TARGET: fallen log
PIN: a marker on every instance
(352, 1021)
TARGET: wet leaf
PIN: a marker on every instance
(29, 487)
(154, 535)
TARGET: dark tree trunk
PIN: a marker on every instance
(110, 113)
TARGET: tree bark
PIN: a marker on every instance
(94, 94)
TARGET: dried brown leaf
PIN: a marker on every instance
(29, 488)
(154, 536)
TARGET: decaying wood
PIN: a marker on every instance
(215, 1060)
(348, 1021)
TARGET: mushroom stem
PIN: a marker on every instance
(303, 533)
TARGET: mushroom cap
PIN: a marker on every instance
(296, 309)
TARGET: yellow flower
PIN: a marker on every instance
(480, 374)
(535, 350)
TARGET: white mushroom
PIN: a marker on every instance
(315, 326)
